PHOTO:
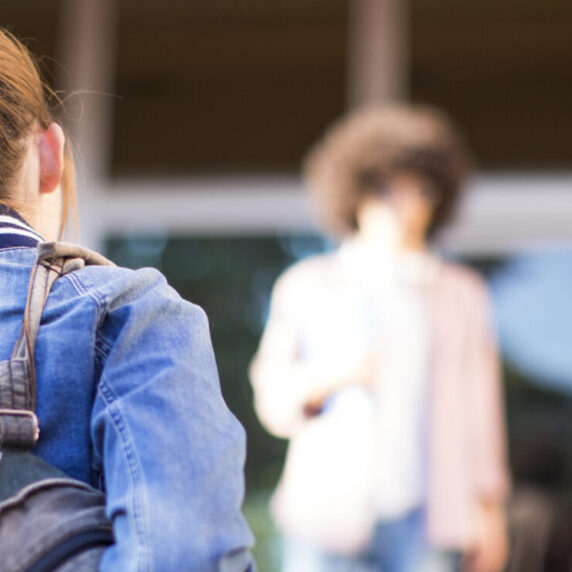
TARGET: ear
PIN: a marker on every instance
(51, 154)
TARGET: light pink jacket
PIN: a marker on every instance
(467, 458)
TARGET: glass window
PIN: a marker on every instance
(232, 277)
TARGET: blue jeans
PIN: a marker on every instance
(398, 545)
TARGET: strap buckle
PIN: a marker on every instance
(33, 423)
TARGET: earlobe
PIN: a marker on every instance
(51, 154)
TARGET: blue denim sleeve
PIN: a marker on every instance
(172, 452)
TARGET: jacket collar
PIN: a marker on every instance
(15, 231)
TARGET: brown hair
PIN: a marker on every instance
(359, 153)
(25, 102)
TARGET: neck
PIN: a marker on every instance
(44, 214)
(392, 242)
(414, 243)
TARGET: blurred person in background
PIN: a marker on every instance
(379, 364)
(128, 392)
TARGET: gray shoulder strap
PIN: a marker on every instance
(18, 423)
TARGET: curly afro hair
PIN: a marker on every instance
(360, 152)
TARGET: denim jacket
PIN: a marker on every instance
(129, 401)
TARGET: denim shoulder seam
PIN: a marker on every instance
(82, 289)
(101, 346)
(133, 466)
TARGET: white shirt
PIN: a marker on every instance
(398, 324)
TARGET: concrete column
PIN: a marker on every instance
(87, 52)
(378, 41)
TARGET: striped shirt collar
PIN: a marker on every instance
(15, 231)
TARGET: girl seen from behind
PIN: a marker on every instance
(128, 397)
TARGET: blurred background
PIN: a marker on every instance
(191, 118)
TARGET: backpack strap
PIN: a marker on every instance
(19, 428)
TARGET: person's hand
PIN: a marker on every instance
(490, 552)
